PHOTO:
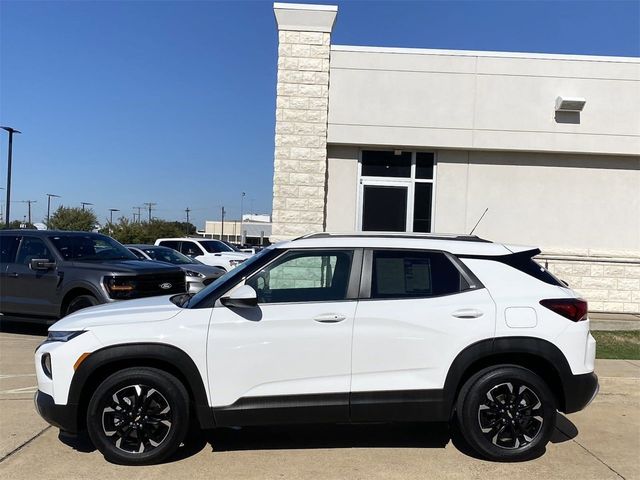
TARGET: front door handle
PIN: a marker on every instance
(467, 313)
(329, 318)
(13, 275)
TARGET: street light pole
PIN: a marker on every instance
(9, 158)
(222, 226)
(85, 203)
(49, 195)
(111, 210)
(241, 219)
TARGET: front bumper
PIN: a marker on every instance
(579, 391)
(65, 417)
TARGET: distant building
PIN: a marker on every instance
(421, 140)
(254, 229)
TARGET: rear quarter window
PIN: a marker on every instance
(524, 262)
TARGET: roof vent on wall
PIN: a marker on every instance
(570, 104)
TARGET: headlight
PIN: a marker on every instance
(120, 287)
(59, 336)
(191, 273)
(235, 263)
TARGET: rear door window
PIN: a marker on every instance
(414, 274)
(171, 244)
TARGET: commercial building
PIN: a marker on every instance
(252, 229)
(420, 140)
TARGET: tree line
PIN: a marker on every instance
(123, 230)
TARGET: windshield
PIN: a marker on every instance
(215, 246)
(199, 300)
(90, 247)
(168, 255)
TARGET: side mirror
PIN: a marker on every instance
(243, 297)
(41, 264)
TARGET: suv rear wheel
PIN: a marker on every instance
(506, 413)
(138, 416)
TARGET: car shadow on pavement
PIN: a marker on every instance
(410, 435)
(23, 327)
(400, 435)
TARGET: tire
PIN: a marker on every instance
(506, 413)
(80, 302)
(128, 435)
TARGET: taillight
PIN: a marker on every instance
(575, 309)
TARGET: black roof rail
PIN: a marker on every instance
(460, 238)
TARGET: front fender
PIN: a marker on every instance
(108, 360)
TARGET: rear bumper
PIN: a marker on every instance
(65, 417)
(579, 391)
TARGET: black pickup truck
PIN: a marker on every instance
(47, 274)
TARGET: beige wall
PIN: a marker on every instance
(342, 188)
(556, 201)
(482, 100)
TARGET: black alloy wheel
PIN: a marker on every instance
(511, 415)
(138, 416)
(506, 413)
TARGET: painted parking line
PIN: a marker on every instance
(17, 375)
(18, 391)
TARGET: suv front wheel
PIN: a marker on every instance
(506, 413)
(138, 416)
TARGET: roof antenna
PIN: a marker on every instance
(478, 223)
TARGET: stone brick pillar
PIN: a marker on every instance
(300, 160)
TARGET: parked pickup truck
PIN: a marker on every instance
(46, 274)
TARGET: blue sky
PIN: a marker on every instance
(173, 102)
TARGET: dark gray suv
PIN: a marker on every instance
(49, 274)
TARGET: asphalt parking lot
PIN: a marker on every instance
(602, 442)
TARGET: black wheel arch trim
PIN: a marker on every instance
(573, 391)
(147, 354)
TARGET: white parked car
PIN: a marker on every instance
(209, 252)
(331, 328)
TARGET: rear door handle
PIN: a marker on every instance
(329, 318)
(467, 313)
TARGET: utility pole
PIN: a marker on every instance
(150, 205)
(187, 210)
(29, 202)
(222, 227)
(9, 158)
(85, 203)
(49, 195)
(134, 217)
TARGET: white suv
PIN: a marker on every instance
(331, 328)
(209, 252)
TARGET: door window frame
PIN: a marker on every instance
(353, 287)
(367, 274)
(408, 182)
